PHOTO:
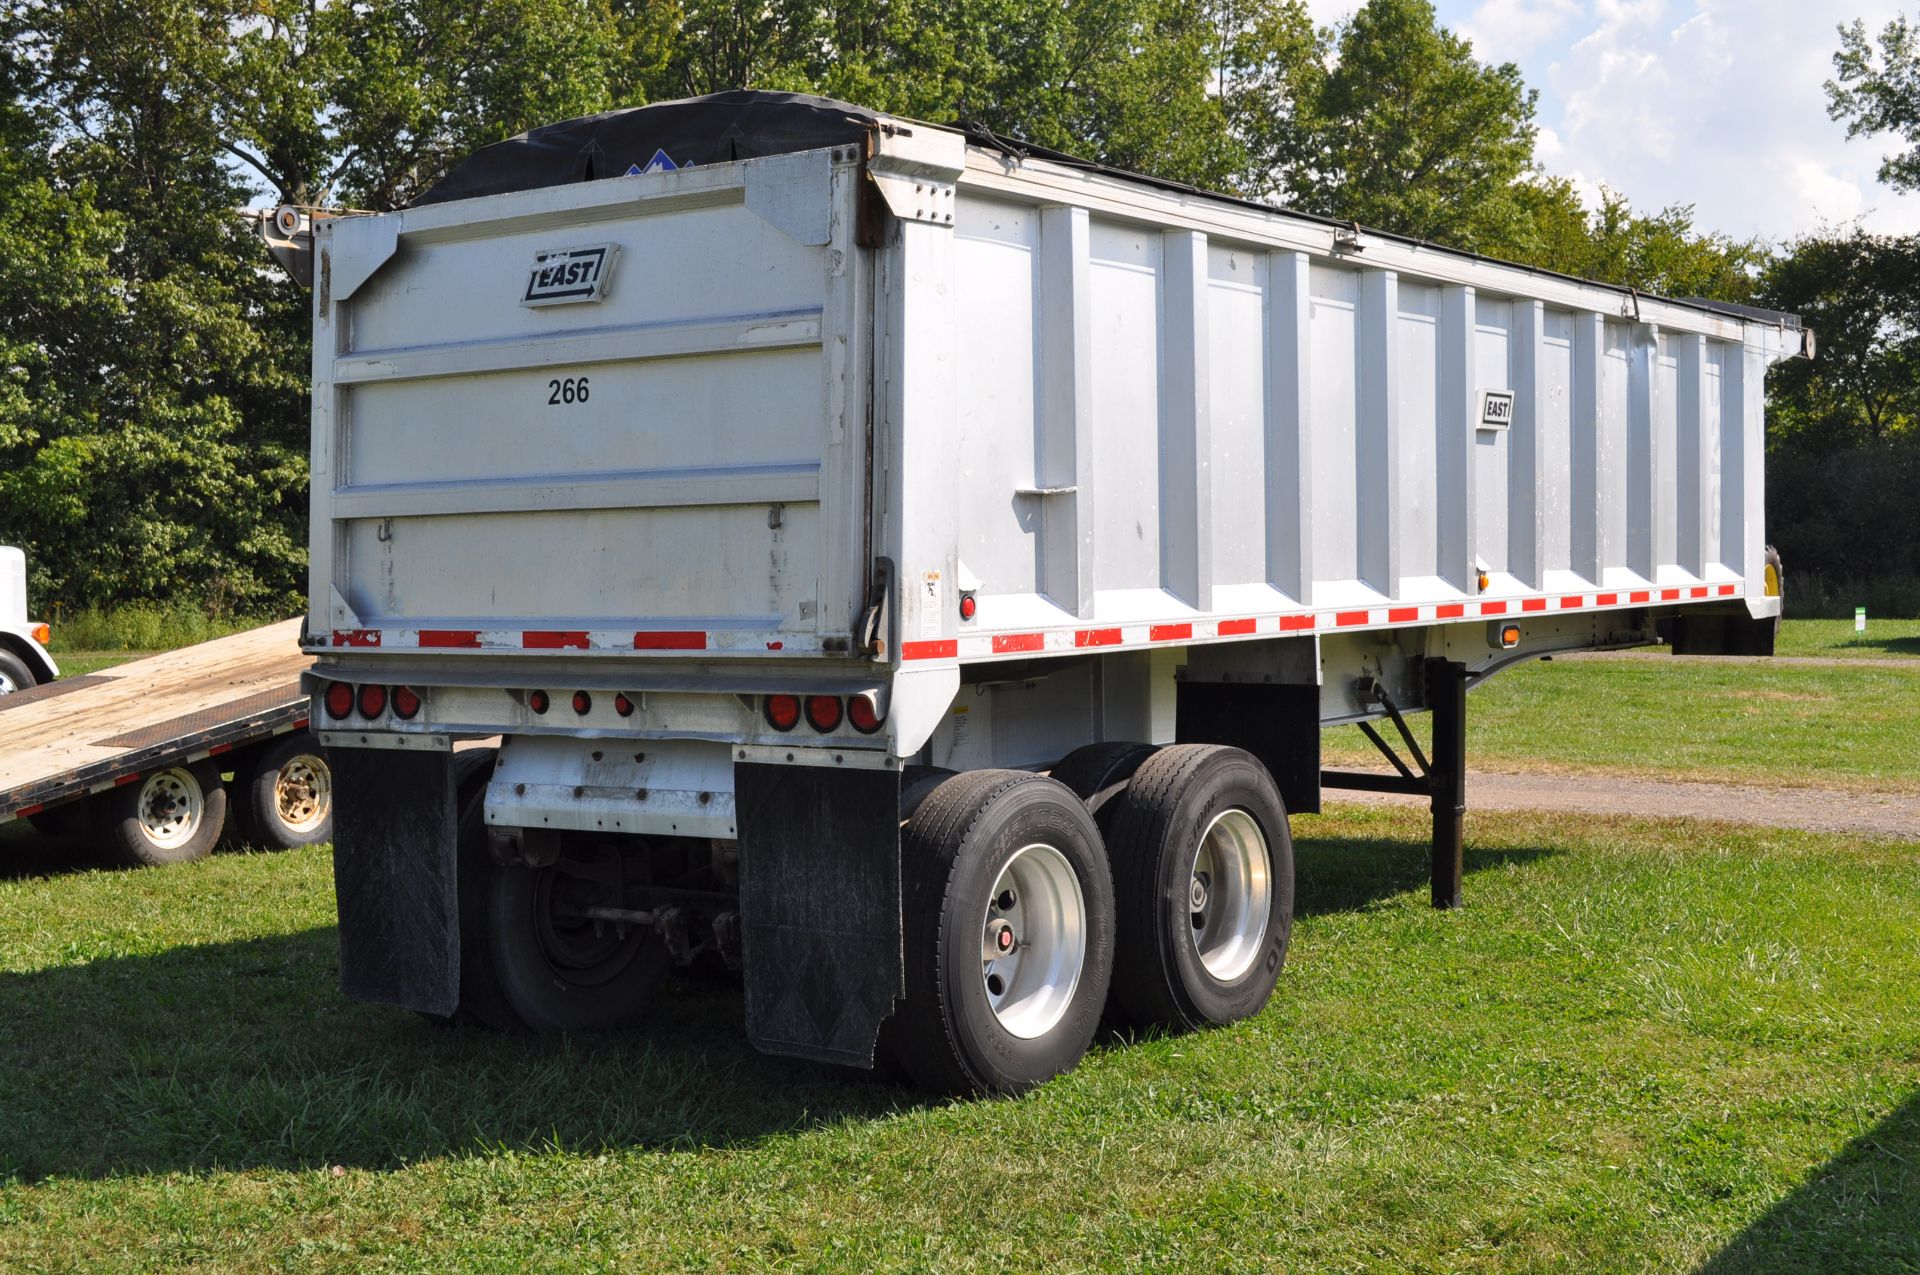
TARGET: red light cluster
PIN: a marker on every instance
(823, 712)
(343, 699)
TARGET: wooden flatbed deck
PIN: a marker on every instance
(87, 734)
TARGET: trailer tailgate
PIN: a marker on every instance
(637, 420)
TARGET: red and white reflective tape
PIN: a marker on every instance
(626, 640)
(986, 645)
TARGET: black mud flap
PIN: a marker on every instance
(819, 908)
(1278, 723)
(394, 836)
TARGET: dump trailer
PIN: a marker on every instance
(133, 758)
(916, 569)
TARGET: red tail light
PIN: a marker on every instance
(537, 701)
(623, 706)
(861, 713)
(373, 700)
(582, 703)
(339, 699)
(782, 711)
(824, 712)
(405, 703)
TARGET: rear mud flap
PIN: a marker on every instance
(1279, 724)
(820, 908)
(394, 836)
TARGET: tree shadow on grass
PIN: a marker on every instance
(243, 1054)
(25, 853)
(1884, 645)
(1351, 874)
(1858, 1212)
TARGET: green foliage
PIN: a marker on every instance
(1848, 515)
(1860, 293)
(153, 363)
(1661, 253)
(1410, 133)
(1877, 90)
(142, 626)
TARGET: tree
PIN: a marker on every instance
(1860, 293)
(1877, 90)
(1660, 253)
(1407, 132)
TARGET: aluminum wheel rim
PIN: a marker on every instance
(303, 792)
(7, 685)
(1230, 894)
(1033, 941)
(171, 807)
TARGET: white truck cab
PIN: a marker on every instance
(24, 661)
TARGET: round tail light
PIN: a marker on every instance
(339, 699)
(623, 706)
(782, 711)
(537, 701)
(582, 703)
(861, 713)
(824, 712)
(373, 700)
(406, 704)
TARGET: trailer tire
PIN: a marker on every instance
(1774, 572)
(285, 794)
(1097, 773)
(992, 852)
(14, 674)
(917, 784)
(170, 815)
(1203, 874)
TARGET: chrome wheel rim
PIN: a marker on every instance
(1230, 894)
(303, 793)
(171, 807)
(7, 685)
(1033, 941)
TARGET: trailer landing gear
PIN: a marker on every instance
(1443, 779)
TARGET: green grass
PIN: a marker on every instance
(142, 628)
(1731, 721)
(1884, 639)
(1640, 1047)
(98, 638)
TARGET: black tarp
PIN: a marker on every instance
(718, 128)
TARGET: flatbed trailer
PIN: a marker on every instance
(134, 754)
(917, 569)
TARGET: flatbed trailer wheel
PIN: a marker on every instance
(286, 794)
(14, 674)
(1203, 876)
(1008, 919)
(173, 815)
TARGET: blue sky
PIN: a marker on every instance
(1716, 103)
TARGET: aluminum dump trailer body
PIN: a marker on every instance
(1116, 416)
(1001, 453)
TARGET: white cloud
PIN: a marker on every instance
(1326, 13)
(1508, 30)
(1716, 103)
